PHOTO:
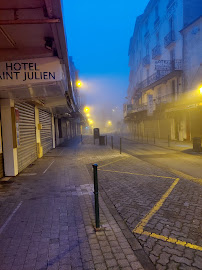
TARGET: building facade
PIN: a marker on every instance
(163, 60)
(39, 108)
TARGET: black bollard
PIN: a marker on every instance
(97, 215)
(112, 143)
(106, 139)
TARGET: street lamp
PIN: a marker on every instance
(200, 90)
(86, 109)
(79, 83)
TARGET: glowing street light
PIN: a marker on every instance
(86, 109)
(109, 123)
(79, 83)
(200, 90)
(88, 114)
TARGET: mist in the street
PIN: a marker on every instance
(100, 135)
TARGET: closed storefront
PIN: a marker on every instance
(45, 120)
(1, 156)
(26, 135)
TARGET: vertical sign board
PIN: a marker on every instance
(150, 105)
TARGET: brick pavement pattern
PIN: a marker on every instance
(47, 217)
(180, 216)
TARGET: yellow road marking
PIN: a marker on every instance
(148, 175)
(112, 162)
(171, 240)
(140, 226)
(187, 176)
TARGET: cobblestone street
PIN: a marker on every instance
(151, 217)
(47, 217)
(163, 211)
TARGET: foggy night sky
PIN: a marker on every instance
(98, 35)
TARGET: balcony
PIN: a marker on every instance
(170, 4)
(165, 69)
(156, 22)
(169, 39)
(147, 35)
(146, 61)
(156, 52)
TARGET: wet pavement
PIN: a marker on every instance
(150, 210)
(47, 217)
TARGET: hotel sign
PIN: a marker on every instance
(31, 71)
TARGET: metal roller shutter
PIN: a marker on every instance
(1, 156)
(46, 131)
(27, 150)
(1, 166)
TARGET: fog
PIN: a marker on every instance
(105, 97)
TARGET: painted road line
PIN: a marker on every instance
(172, 240)
(140, 226)
(61, 152)
(186, 176)
(48, 167)
(139, 174)
(10, 217)
(27, 174)
(112, 162)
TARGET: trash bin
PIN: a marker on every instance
(197, 144)
(102, 140)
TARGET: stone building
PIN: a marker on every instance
(161, 72)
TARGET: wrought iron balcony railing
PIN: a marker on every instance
(157, 21)
(159, 74)
(146, 60)
(170, 4)
(156, 51)
(169, 38)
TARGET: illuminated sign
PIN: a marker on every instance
(30, 71)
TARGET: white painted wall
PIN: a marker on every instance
(9, 152)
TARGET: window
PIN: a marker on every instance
(147, 49)
(157, 38)
(171, 24)
(172, 55)
(146, 24)
(173, 87)
(156, 12)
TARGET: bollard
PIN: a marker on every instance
(120, 145)
(168, 140)
(106, 139)
(81, 138)
(112, 143)
(97, 215)
(154, 139)
(94, 140)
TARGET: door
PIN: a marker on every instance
(45, 119)
(27, 147)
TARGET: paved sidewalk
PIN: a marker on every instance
(47, 217)
(185, 146)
